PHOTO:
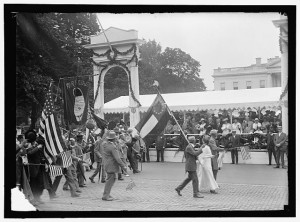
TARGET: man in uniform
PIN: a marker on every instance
(235, 143)
(160, 145)
(78, 150)
(98, 152)
(112, 162)
(191, 167)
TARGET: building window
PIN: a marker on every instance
(262, 84)
(248, 84)
(235, 86)
(222, 85)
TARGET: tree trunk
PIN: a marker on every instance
(33, 115)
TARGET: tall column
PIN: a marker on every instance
(283, 25)
(269, 81)
(134, 110)
(284, 82)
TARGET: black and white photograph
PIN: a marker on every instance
(150, 108)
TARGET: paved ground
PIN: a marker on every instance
(242, 187)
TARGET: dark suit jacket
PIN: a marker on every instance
(34, 155)
(214, 151)
(98, 151)
(111, 158)
(270, 141)
(235, 141)
(160, 142)
(280, 140)
(191, 157)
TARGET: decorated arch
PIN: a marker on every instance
(122, 51)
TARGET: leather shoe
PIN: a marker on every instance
(91, 179)
(78, 191)
(75, 195)
(108, 199)
(198, 196)
(53, 196)
(82, 185)
(213, 192)
(284, 167)
(103, 181)
(120, 178)
(276, 167)
(178, 192)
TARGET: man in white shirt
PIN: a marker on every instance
(236, 126)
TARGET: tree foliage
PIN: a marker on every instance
(48, 47)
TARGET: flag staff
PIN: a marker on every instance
(170, 112)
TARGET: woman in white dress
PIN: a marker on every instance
(205, 174)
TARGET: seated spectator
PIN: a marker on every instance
(256, 125)
(236, 126)
(226, 127)
(193, 125)
(265, 124)
(169, 128)
(247, 125)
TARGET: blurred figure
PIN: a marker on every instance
(160, 145)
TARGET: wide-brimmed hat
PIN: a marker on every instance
(30, 135)
(202, 119)
(256, 119)
(111, 135)
(215, 132)
(191, 138)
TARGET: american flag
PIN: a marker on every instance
(55, 171)
(66, 159)
(49, 129)
(245, 153)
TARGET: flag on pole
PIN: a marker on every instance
(49, 128)
(55, 171)
(66, 159)
(49, 157)
(245, 153)
(131, 185)
(101, 123)
(156, 118)
(75, 93)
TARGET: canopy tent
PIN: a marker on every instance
(207, 100)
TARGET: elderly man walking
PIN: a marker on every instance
(112, 162)
(191, 167)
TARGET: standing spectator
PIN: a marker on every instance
(202, 127)
(131, 155)
(237, 126)
(270, 145)
(210, 125)
(112, 162)
(191, 167)
(280, 147)
(256, 125)
(235, 143)
(218, 126)
(160, 145)
(226, 127)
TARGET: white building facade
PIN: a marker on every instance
(258, 75)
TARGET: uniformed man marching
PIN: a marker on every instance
(112, 162)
